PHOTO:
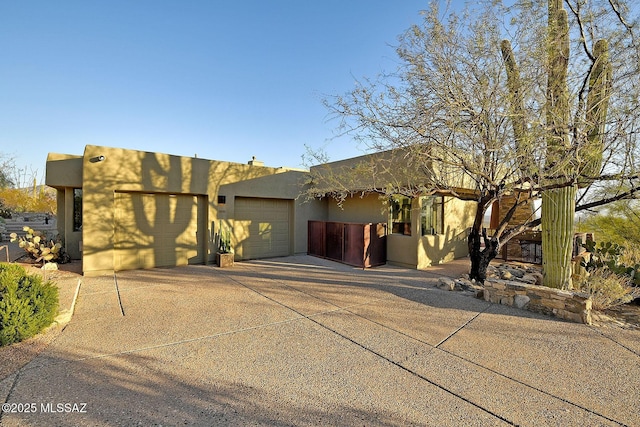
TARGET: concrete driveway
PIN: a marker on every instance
(304, 341)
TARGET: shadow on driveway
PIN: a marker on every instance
(304, 341)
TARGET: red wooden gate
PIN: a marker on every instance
(361, 245)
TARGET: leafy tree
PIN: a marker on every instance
(516, 119)
(19, 191)
(21, 200)
(6, 168)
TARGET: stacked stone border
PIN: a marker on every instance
(567, 305)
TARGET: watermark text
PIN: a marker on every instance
(45, 408)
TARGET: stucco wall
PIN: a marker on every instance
(107, 170)
(402, 250)
(417, 251)
(63, 170)
(366, 209)
(104, 171)
(64, 173)
(452, 244)
(283, 184)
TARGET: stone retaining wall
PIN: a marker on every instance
(567, 305)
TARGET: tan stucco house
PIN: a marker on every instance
(121, 209)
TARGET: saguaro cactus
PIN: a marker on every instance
(563, 173)
(596, 113)
(524, 155)
(558, 204)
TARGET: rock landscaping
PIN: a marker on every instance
(567, 305)
(520, 285)
(516, 272)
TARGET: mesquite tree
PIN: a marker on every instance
(469, 116)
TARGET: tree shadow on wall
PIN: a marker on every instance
(165, 215)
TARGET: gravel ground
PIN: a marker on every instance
(303, 341)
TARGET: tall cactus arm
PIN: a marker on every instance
(596, 113)
(557, 90)
(517, 111)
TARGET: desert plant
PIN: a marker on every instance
(631, 255)
(5, 211)
(224, 239)
(608, 289)
(609, 256)
(27, 304)
(36, 244)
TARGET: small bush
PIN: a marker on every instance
(608, 289)
(611, 257)
(27, 305)
(631, 255)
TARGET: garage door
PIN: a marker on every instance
(262, 227)
(156, 230)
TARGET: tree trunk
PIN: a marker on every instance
(480, 259)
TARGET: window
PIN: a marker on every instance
(431, 215)
(77, 209)
(401, 215)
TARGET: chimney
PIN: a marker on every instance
(254, 162)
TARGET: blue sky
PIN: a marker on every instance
(225, 80)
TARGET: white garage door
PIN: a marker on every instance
(262, 227)
(156, 230)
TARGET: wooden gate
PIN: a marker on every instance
(360, 245)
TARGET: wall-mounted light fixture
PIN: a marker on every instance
(96, 159)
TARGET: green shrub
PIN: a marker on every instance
(27, 305)
(611, 256)
(608, 289)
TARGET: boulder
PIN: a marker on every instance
(516, 272)
(464, 284)
(538, 276)
(521, 301)
(50, 266)
(446, 283)
(506, 275)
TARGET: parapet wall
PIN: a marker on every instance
(567, 305)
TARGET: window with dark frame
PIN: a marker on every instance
(77, 209)
(401, 215)
(432, 215)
